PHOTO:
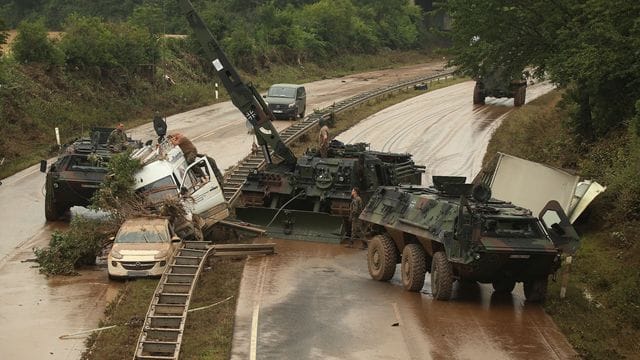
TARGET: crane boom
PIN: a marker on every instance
(244, 96)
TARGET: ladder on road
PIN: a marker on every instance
(161, 333)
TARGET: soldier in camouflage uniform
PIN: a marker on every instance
(355, 209)
(117, 140)
(323, 139)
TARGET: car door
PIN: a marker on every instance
(201, 195)
(557, 225)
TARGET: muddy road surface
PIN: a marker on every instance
(34, 310)
(317, 301)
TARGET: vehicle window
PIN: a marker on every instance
(284, 92)
(159, 190)
(142, 234)
(510, 228)
(300, 92)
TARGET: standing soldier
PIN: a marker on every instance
(160, 126)
(323, 138)
(117, 140)
(355, 209)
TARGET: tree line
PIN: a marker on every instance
(253, 33)
(590, 48)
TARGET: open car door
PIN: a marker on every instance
(557, 225)
(204, 196)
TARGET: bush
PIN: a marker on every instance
(32, 45)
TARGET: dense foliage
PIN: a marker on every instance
(33, 46)
(589, 47)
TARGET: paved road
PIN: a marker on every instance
(34, 307)
(317, 301)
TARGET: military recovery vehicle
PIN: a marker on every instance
(498, 84)
(316, 193)
(78, 172)
(312, 184)
(458, 232)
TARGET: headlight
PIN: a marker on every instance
(115, 254)
(161, 255)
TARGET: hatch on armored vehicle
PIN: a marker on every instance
(457, 231)
(78, 172)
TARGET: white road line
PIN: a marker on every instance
(256, 307)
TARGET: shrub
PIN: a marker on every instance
(32, 45)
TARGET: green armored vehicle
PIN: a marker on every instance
(311, 200)
(457, 232)
(78, 172)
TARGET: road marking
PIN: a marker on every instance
(262, 274)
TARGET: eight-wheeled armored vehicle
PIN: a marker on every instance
(457, 232)
(78, 172)
(317, 186)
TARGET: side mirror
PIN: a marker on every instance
(43, 166)
(264, 96)
(148, 143)
(175, 239)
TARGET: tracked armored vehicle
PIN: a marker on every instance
(296, 192)
(457, 232)
(78, 172)
(311, 201)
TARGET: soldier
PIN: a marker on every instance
(356, 224)
(160, 126)
(188, 150)
(117, 140)
(323, 139)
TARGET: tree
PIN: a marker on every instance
(3, 35)
(589, 47)
(32, 45)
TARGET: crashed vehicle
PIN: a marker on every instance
(78, 172)
(142, 247)
(456, 231)
(166, 175)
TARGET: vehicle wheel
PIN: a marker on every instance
(503, 285)
(478, 94)
(382, 258)
(441, 276)
(536, 290)
(518, 99)
(414, 267)
(51, 212)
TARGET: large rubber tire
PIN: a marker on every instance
(478, 94)
(414, 267)
(519, 97)
(536, 290)
(441, 276)
(51, 211)
(382, 258)
(503, 285)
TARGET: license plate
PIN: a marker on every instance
(137, 273)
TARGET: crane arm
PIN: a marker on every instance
(244, 96)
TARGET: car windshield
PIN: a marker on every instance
(159, 190)
(511, 228)
(283, 92)
(141, 234)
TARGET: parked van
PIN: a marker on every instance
(287, 101)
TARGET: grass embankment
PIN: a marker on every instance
(601, 313)
(209, 333)
(35, 99)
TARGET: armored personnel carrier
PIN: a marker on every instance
(457, 232)
(78, 172)
(311, 201)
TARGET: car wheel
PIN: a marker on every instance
(441, 276)
(536, 290)
(503, 285)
